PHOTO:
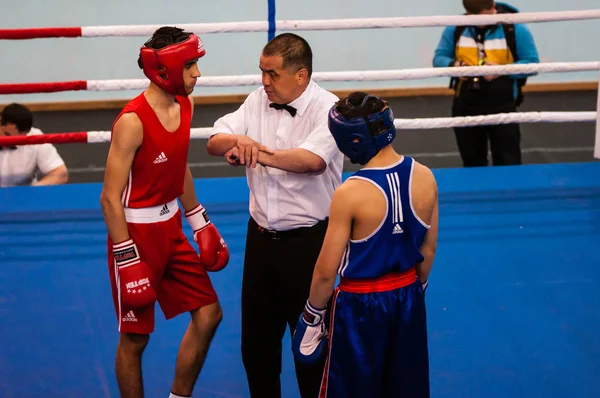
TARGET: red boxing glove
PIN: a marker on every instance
(135, 288)
(214, 253)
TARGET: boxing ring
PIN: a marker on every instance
(513, 305)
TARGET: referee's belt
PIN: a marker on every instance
(290, 233)
(385, 283)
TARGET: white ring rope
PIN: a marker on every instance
(500, 118)
(348, 24)
(431, 123)
(398, 74)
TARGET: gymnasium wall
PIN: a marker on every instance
(48, 60)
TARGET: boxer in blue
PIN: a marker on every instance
(381, 241)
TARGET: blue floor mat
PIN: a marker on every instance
(513, 302)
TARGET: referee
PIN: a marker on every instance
(293, 165)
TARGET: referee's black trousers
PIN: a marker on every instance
(275, 286)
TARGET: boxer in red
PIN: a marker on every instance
(149, 257)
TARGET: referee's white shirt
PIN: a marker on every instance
(19, 166)
(282, 200)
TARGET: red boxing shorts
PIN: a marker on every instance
(182, 283)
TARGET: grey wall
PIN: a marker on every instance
(542, 142)
(107, 58)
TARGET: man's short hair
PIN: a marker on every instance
(165, 36)
(372, 105)
(19, 115)
(294, 50)
(477, 6)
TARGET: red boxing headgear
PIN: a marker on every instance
(164, 67)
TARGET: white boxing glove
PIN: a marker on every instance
(310, 340)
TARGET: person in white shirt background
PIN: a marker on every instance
(27, 164)
(293, 165)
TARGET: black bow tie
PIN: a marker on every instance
(8, 148)
(288, 108)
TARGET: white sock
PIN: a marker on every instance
(177, 396)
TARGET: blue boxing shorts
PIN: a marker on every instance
(378, 339)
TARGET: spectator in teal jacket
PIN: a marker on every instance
(499, 44)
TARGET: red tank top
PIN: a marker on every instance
(159, 166)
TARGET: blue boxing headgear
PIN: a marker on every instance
(361, 138)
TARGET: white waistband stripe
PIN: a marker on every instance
(152, 214)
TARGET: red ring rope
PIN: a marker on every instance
(39, 33)
(53, 87)
(62, 138)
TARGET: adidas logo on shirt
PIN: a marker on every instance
(161, 158)
(164, 210)
(397, 229)
(129, 317)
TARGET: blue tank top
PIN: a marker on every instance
(395, 245)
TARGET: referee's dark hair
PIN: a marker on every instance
(294, 50)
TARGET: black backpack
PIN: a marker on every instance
(511, 42)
